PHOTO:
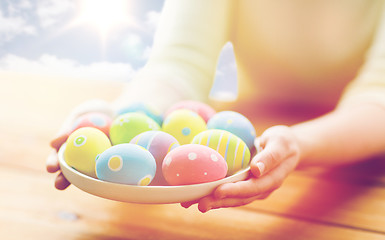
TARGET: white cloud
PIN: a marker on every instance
(52, 66)
(152, 19)
(147, 53)
(25, 4)
(15, 7)
(11, 26)
(50, 12)
(134, 46)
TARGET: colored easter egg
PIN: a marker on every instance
(193, 164)
(232, 148)
(125, 127)
(158, 143)
(202, 109)
(183, 124)
(97, 120)
(82, 148)
(142, 108)
(126, 164)
(235, 123)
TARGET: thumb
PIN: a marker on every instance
(267, 158)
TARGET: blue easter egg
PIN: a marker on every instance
(127, 164)
(142, 108)
(235, 123)
(158, 143)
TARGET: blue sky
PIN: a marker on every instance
(45, 37)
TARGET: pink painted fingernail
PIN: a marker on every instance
(261, 167)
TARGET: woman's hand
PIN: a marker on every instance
(278, 155)
(52, 164)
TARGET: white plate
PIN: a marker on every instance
(142, 194)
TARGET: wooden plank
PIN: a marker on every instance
(328, 201)
(31, 208)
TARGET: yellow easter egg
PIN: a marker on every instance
(82, 148)
(233, 149)
(183, 124)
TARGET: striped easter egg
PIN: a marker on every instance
(233, 149)
(235, 123)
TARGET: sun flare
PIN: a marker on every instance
(103, 15)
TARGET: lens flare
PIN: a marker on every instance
(103, 15)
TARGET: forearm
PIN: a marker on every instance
(346, 135)
(183, 58)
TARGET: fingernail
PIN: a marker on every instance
(261, 167)
(185, 205)
(206, 210)
(50, 159)
(51, 163)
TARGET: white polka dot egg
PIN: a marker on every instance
(126, 164)
(193, 164)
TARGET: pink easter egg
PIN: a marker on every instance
(202, 109)
(158, 143)
(97, 120)
(193, 164)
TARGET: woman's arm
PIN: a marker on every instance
(354, 131)
(183, 59)
(348, 134)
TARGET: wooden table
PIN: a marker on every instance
(345, 203)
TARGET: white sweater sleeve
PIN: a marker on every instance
(369, 85)
(182, 64)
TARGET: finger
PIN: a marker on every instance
(266, 160)
(255, 186)
(61, 182)
(58, 141)
(52, 163)
(258, 145)
(209, 202)
(188, 204)
(245, 189)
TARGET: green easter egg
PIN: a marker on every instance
(126, 126)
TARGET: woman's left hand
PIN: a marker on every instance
(279, 154)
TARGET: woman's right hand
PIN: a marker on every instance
(52, 163)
